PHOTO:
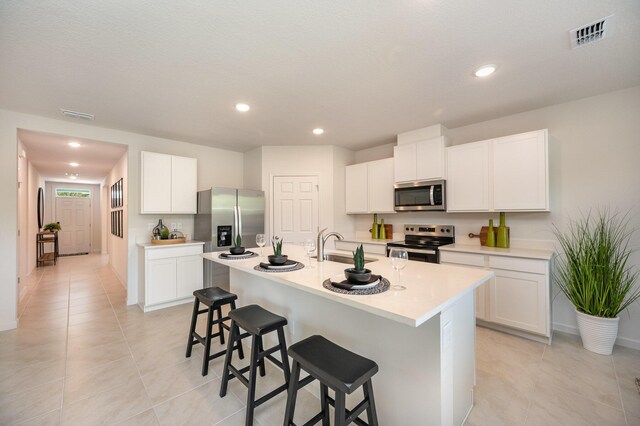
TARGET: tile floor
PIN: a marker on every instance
(81, 356)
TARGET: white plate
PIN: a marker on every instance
(341, 278)
(282, 266)
(238, 256)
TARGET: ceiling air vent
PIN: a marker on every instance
(592, 32)
(76, 114)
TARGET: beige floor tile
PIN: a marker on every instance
(51, 418)
(552, 405)
(149, 361)
(176, 379)
(146, 418)
(496, 402)
(31, 403)
(627, 366)
(18, 375)
(92, 357)
(88, 383)
(38, 353)
(238, 419)
(103, 315)
(201, 405)
(632, 420)
(568, 366)
(110, 407)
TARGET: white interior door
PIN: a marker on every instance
(295, 207)
(74, 215)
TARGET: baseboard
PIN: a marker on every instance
(621, 341)
(9, 325)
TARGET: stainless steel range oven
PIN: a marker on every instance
(422, 241)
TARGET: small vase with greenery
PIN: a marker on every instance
(277, 258)
(164, 234)
(595, 275)
(358, 274)
(53, 226)
(237, 247)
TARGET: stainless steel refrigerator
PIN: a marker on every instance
(222, 214)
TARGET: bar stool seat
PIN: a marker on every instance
(214, 298)
(337, 368)
(257, 322)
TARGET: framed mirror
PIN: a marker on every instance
(40, 208)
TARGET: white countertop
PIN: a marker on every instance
(149, 245)
(511, 252)
(431, 288)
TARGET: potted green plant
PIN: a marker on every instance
(358, 274)
(164, 234)
(593, 272)
(277, 258)
(53, 226)
(237, 248)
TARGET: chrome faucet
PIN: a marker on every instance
(322, 239)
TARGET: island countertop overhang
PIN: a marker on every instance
(430, 288)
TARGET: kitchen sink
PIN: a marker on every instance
(342, 259)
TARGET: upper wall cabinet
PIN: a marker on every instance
(369, 187)
(504, 174)
(422, 160)
(169, 184)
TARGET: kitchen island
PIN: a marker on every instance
(423, 338)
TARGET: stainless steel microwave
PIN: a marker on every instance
(420, 195)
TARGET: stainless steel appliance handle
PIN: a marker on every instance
(431, 188)
(235, 224)
(412, 250)
(239, 221)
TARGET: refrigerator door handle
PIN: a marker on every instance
(235, 224)
(239, 220)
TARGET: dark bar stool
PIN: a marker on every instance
(337, 368)
(214, 298)
(257, 322)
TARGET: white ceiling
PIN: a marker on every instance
(51, 155)
(362, 70)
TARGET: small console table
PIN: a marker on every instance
(46, 239)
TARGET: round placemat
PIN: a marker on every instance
(380, 288)
(237, 257)
(299, 266)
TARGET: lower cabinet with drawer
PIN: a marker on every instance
(517, 300)
(170, 275)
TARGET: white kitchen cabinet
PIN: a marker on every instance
(369, 187)
(504, 174)
(357, 188)
(521, 172)
(168, 184)
(517, 299)
(169, 274)
(468, 177)
(424, 160)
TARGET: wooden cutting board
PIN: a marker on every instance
(483, 234)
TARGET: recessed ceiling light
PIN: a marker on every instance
(76, 114)
(74, 144)
(243, 107)
(485, 70)
(318, 131)
(71, 175)
(74, 164)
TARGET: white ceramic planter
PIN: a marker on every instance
(598, 334)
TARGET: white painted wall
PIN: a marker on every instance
(96, 203)
(117, 247)
(594, 152)
(253, 169)
(315, 160)
(215, 167)
(35, 181)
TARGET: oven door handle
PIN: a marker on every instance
(421, 251)
(431, 188)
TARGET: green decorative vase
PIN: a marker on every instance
(383, 232)
(491, 235)
(502, 239)
(374, 227)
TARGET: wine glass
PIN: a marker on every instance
(261, 240)
(399, 258)
(309, 246)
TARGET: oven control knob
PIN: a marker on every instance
(448, 230)
(441, 230)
